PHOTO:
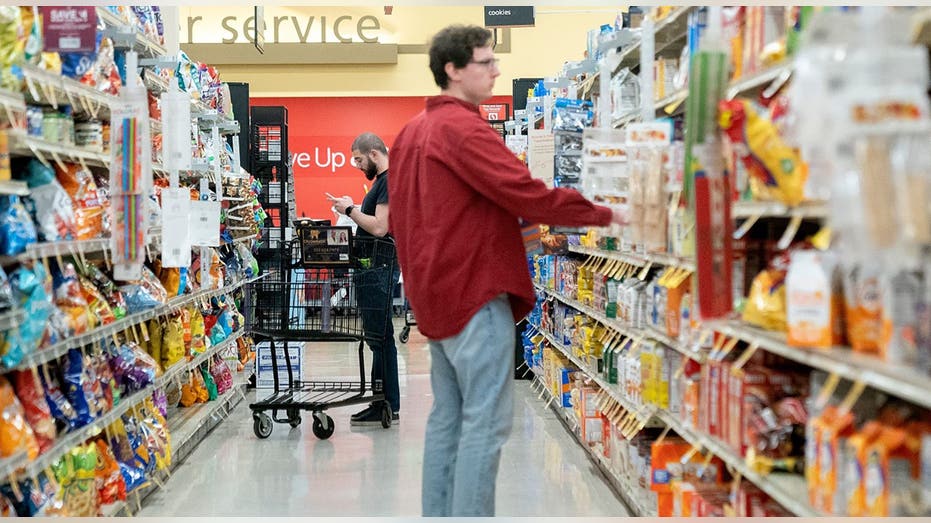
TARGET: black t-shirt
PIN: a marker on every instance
(365, 244)
(376, 196)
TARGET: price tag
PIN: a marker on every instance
(176, 237)
(205, 224)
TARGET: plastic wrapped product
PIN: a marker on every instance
(70, 298)
(15, 434)
(110, 291)
(96, 302)
(29, 290)
(35, 408)
(6, 292)
(16, 228)
(89, 211)
(209, 383)
(111, 487)
(144, 294)
(50, 205)
(59, 405)
(82, 387)
(41, 502)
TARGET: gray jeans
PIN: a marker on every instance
(472, 414)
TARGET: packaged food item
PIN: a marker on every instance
(17, 434)
(16, 228)
(863, 307)
(80, 388)
(209, 383)
(88, 209)
(58, 404)
(777, 172)
(144, 294)
(173, 349)
(43, 501)
(111, 487)
(131, 468)
(109, 290)
(96, 302)
(222, 375)
(766, 303)
(814, 302)
(36, 410)
(69, 298)
(50, 204)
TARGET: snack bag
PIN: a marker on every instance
(156, 340)
(109, 290)
(173, 349)
(776, 170)
(79, 388)
(29, 391)
(96, 302)
(15, 434)
(70, 298)
(16, 228)
(766, 304)
(58, 405)
(89, 211)
(209, 383)
(111, 487)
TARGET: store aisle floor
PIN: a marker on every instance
(373, 471)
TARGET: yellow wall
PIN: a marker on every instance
(559, 36)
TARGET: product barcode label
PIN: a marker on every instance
(176, 252)
(69, 42)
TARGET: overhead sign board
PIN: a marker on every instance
(509, 16)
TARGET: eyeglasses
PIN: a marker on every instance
(489, 62)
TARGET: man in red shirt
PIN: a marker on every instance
(456, 196)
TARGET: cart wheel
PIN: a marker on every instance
(386, 416)
(323, 432)
(262, 425)
(405, 335)
(294, 417)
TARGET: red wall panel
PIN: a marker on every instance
(320, 133)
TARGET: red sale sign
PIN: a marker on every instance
(69, 28)
(320, 135)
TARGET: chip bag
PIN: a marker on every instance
(29, 391)
(173, 349)
(15, 434)
(776, 170)
(111, 487)
(209, 383)
(88, 208)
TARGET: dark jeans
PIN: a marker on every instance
(373, 295)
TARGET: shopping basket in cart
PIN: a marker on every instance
(337, 290)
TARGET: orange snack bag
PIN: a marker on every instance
(89, 210)
(15, 434)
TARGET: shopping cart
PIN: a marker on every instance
(409, 322)
(334, 283)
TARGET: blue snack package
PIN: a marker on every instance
(76, 388)
(59, 405)
(16, 228)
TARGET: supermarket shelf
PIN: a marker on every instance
(145, 46)
(154, 82)
(747, 209)
(638, 259)
(11, 318)
(79, 436)
(60, 349)
(14, 187)
(630, 332)
(736, 88)
(181, 367)
(644, 412)
(789, 490)
(47, 152)
(14, 108)
(571, 424)
(48, 88)
(187, 427)
(900, 381)
(757, 80)
(11, 464)
(671, 29)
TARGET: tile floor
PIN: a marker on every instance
(373, 471)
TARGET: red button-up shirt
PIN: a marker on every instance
(456, 193)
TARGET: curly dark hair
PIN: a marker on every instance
(455, 44)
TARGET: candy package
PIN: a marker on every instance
(29, 391)
(15, 434)
(88, 209)
(16, 228)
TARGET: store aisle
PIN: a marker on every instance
(373, 471)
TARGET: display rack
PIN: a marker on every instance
(186, 426)
(905, 382)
